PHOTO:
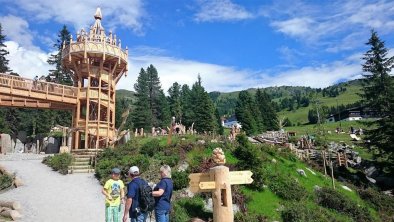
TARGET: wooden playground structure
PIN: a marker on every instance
(97, 62)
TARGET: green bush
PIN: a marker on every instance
(381, 202)
(151, 147)
(299, 212)
(332, 199)
(5, 181)
(249, 156)
(287, 187)
(111, 158)
(59, 162)
(180, 180)
(186, 208)
(171, 160)
(239, 217)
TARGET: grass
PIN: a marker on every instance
(351, 95)
(267, 203)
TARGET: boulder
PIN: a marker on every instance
(301, 172)
(201, 142)
(5, 143)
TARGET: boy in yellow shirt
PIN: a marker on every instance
(114, 195)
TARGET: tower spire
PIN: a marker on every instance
(98, 14)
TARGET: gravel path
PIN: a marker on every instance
(48, 196)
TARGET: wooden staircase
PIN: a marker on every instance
(84, 161)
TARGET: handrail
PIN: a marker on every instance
(16, 82)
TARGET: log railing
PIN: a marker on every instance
(48, 88)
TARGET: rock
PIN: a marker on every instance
(5, 143)
(371, 179)
(18, 146)
(53, 145)
(64, 149)
(301, 172)
(273, 160)
(235, 208)
(186, 193)
(183, 166)
(201, 142)
(208, 206)
(214, 141)
(346, 188)
(371, 171)
(18, 182)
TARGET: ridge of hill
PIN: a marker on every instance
(294, 102)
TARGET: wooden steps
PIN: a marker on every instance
(83, 161)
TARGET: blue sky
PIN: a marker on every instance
(233, 45)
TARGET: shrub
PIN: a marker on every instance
(123, 157)
(286, 187)
(59, 162)
(180, 180)
(239, 217)
(169, 160)
(5, 181)
(186, 208)
(381, 202)
(249, 156)
(299, 212)
(151, 147)
(332, 199)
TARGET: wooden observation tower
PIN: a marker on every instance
(97, 62)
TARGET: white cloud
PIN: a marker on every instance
(221, 10)
(125, 13)
(170, 69)
(336, 25)
(27, 62)
(226, 79)
(17, 29)
(296, 27)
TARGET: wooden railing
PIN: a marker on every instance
(48, 88)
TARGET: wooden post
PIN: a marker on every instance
(221, 196)
(324, 162)
(332, 175)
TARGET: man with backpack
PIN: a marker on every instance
(139, 200)
(163, 194)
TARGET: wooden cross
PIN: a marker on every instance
(218, 181)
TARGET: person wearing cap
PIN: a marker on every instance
(114, 194)
(163, 193)
(132, 208)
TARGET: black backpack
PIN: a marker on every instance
(146, 201)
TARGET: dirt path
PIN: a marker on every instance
(48, 196)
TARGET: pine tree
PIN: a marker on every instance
(174, 100)
(3, 53)
(186, 106)
(220, 129)
(203, 109)
(154, 89)
(378, 94)
(142, 114)
(248, 114)
(59, 74)
(164, 113)
(267, 110)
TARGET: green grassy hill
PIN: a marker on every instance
(278, 193)
(350, 96)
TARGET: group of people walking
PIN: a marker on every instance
(139, 199)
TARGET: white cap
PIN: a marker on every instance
(134, 170)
